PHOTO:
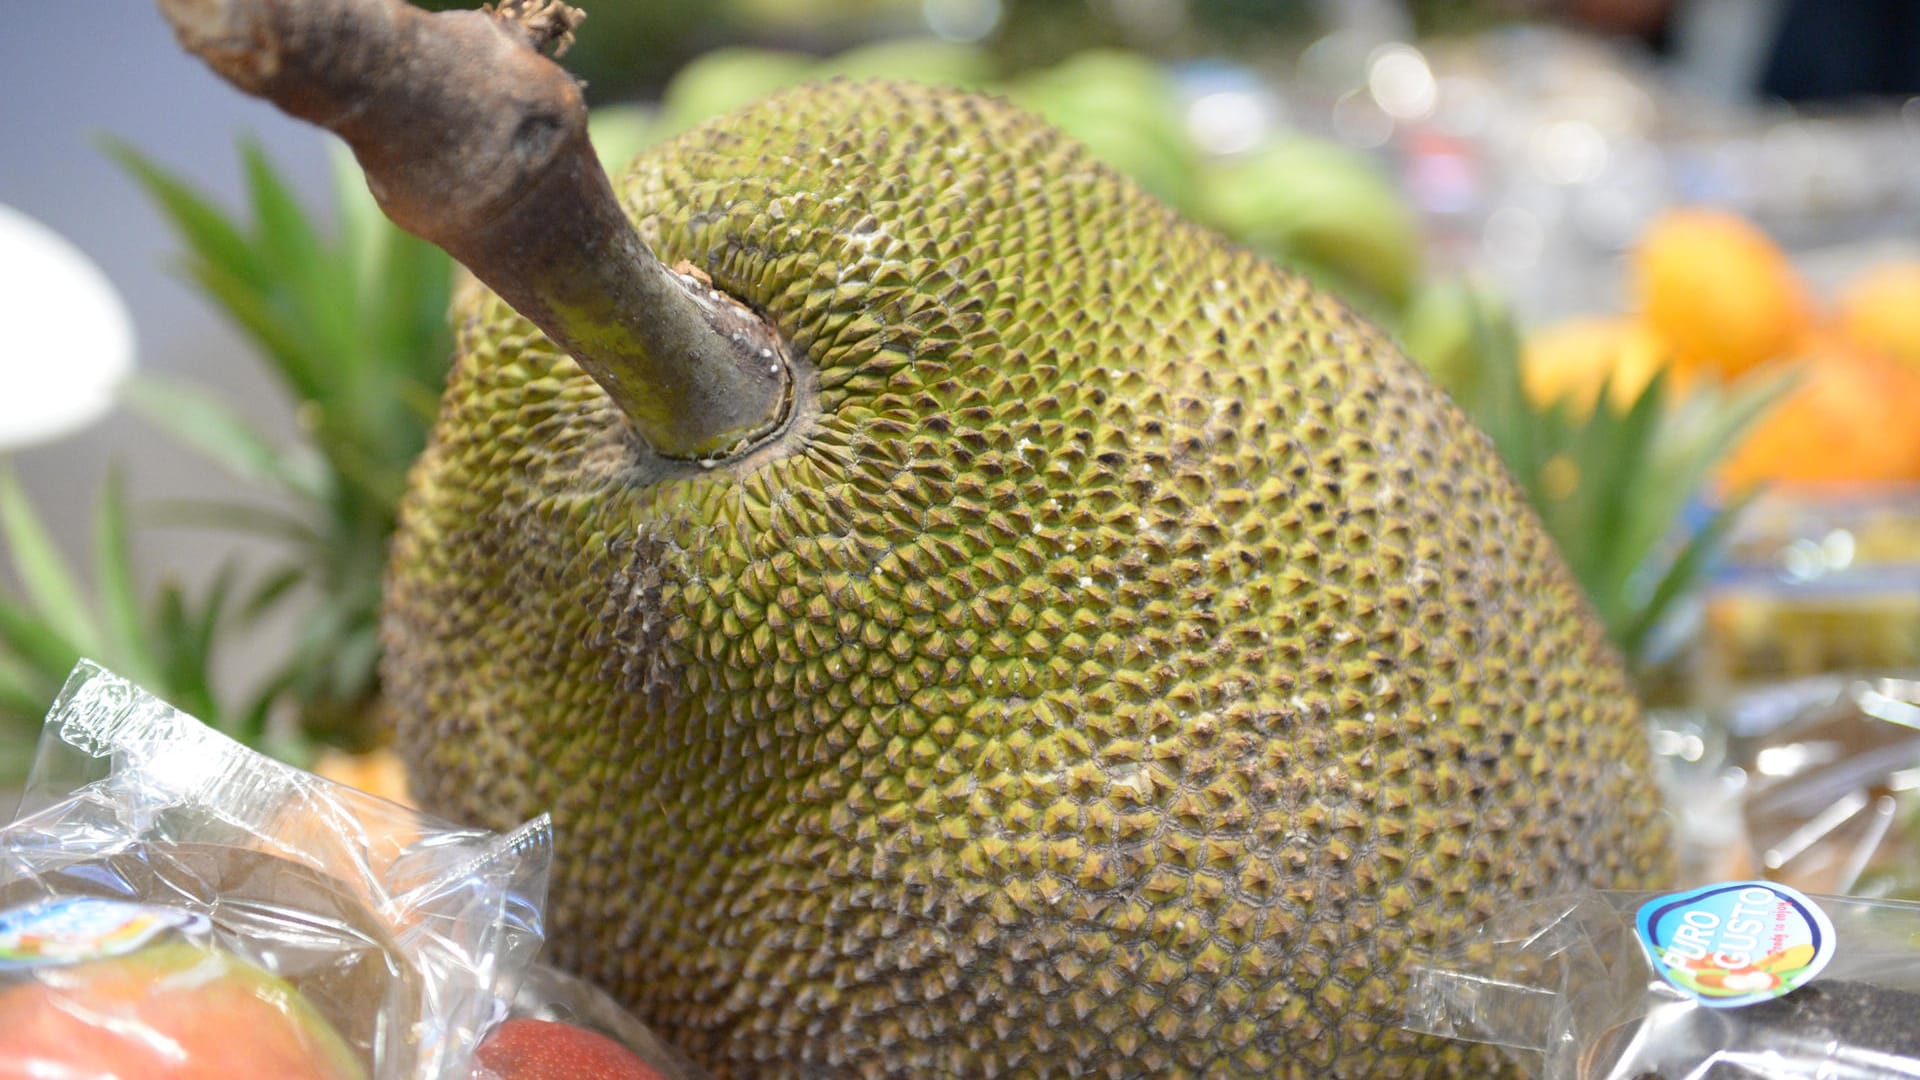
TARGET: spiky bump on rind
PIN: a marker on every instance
(1120, 667)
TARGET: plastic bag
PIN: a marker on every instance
(1832, 789)
(111, 990)
(408, 935)
(1733, 981)
(551, 994)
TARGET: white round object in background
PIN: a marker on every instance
(66, 340)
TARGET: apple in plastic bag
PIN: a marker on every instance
(546, 1050)
(176, 1011)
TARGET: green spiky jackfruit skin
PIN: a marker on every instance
(1122, 662)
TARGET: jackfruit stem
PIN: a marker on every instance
(473, 140)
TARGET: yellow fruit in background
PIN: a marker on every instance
(379, 772)
(1880, 311)
(1571, 360)
(1718, 291)
(1849, 421)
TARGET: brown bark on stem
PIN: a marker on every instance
(473, 140)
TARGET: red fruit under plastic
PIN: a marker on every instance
(544, 1050)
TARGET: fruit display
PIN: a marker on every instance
(1072, 645)
(990, 574)
(1822, 575)
(863, 614)
(1716, 301)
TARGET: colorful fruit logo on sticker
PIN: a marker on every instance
(1736, 943)
(73, 929)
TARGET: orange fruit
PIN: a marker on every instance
(1848, 421)
(1880, 311)
(1718, 291)
(1571, 360)
(377, 772)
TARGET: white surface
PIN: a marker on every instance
(67, 340)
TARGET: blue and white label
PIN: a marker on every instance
(71, 929)
(1736, 943)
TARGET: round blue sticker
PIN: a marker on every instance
(1736, 943)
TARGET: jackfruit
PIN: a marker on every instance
(1117, 664)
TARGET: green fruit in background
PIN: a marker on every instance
(1120, 663)
(921, 60)
(814, 15)
(1122, 105)
(727, 79)
(621, 131)
(1308, 198)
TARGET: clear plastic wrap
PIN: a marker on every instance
(407, 934)
(108, 990)
(1832, 789)
(1571, 990)
(551, 994)
(1812, 782)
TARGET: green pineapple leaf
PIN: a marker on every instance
(122, 622)
(187, 632)
(19, 698)
(213, 239)
(36, 651)
(1687, 567)
(201, 421)
(1610, 486)
(352, 323)
(166, 642)
(58, 601)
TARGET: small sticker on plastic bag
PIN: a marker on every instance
(72, 929)
(1736, 943)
